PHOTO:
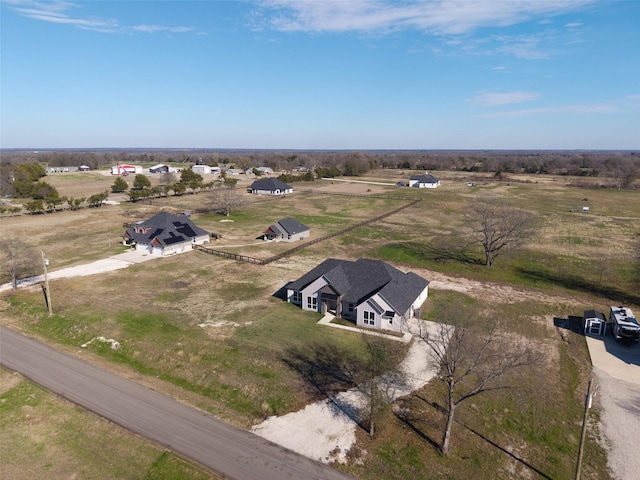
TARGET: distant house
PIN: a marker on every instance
(121, 169)
(370, 293)
(160, 168)
(84, 168)
(201, 169)
(287, 230)
(424, 181)
(62, 169)
(263, 170)
(270, 186)
(165, 234)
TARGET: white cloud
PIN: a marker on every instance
(587, 109)
(437, 16)
(635, 96)
(55, 11)
(160, 28)
(496, 99)
(527, 47)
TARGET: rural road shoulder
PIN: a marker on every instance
(229, 451)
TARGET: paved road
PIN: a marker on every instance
(229, 451)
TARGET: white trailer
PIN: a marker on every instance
(623, 324)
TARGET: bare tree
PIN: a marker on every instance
(168, 178)
(18, 259)
(226, 200)
(500, 228)
(471, 363)
(375, 377)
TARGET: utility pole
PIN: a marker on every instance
(588, 398)
(45, 264)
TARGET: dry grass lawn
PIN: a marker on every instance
(211, 332)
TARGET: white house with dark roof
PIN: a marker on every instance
(370, 293)
(424, 181)
(287, 230)
(165, 234)
(270, 186)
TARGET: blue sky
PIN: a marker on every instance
(320, 74)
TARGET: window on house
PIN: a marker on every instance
(312, 303)
(297, 297)
(369, 318)
(351, 307)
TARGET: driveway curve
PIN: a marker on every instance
(229, 451)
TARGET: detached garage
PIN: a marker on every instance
(595, 323)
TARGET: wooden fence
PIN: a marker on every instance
(258, 261)
(233, 256)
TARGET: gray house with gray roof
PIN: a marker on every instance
(270, 186)
(165, 234)
(371, 293)
(286, 230)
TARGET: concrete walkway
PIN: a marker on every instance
(327, 320)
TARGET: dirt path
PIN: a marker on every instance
(497, 293)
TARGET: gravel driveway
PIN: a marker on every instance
(122, 260)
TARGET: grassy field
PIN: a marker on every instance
(213, 332)
(44, 437)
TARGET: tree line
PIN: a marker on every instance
(622, 168)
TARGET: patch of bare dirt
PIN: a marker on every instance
(482, 290)
(8, 380)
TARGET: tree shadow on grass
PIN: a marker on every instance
(439, 252)
(441, 410)
(406, 416)
(576, 283)
(327, 371)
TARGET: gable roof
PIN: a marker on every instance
(359, 280)
(165, 228)
(270, 184)
(424, 178)
(289, 226)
